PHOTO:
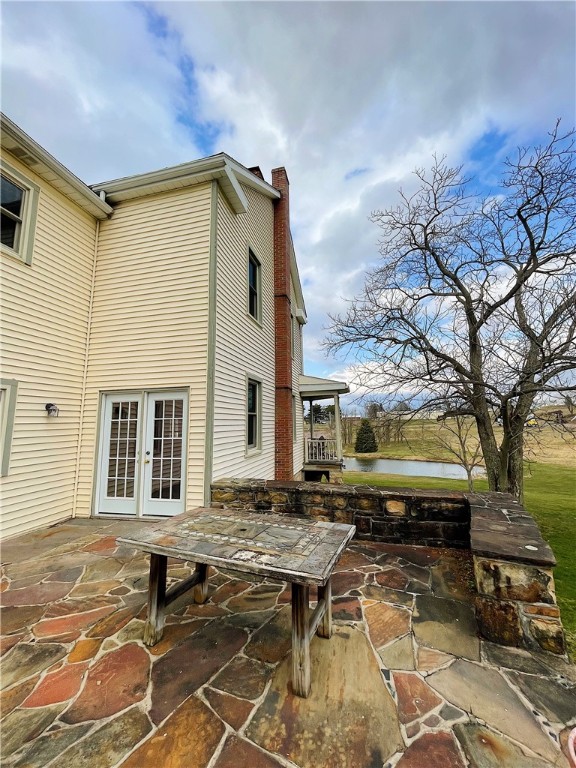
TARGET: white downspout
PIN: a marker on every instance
(85, 371)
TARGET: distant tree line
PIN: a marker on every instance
(321, 414)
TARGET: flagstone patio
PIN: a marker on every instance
(404, 681)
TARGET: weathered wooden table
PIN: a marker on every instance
(300, 551)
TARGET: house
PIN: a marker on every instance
(151, 337)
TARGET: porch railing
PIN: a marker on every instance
(318, 451)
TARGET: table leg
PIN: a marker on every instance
(300, 641)
(156, 599)
(201, 588)
(325, 626)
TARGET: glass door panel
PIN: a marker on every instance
(119, 470)
(165, 453)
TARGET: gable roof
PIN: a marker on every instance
(227, 171)
(30, 153)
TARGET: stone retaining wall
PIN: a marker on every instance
(516, 601)
(402, 515)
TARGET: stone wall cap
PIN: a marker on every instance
(526, 529)
(492, 498)
(532, 550)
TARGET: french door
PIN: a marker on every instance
(143, 453)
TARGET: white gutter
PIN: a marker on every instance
(115, 187)
(39, 160)
(221, 167)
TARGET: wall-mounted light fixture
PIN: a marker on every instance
(51, 409)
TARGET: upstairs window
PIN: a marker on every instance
(254, 286)
(18, 205)
(12, 205)
(253, 415)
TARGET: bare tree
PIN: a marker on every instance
(349, 426)
(474, 297)
(457, 435)
(389, 428)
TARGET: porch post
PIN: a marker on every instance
(311, 403)
(338, 426)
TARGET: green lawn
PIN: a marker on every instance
(550, 496)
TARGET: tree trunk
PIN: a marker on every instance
(505, 466)
(514, 443)
(489, 452)
(504, 458)
(515, 473)
(516, 477)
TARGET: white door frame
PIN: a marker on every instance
(160, 451)
(143, 445)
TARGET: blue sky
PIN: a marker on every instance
(349, 96)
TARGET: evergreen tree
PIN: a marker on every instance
(365, 438)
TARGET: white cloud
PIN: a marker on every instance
(91, 84)
(325, 89)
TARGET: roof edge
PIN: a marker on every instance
(92, 203)
(314, 386)
(300, 313)
(220, 167)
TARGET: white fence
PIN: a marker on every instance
(321, 450)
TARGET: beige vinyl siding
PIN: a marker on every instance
(244, 348)
(150, 317)
(43, 330)
(297, 369)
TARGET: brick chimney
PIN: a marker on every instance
(284, 460)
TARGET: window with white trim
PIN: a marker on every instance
(254, 292)
(18, 207)
(8, 393)
(253, 408)
(12, 205)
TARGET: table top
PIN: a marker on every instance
(289, 548)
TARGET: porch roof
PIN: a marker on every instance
(315, 387)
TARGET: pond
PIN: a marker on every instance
(409, 467)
